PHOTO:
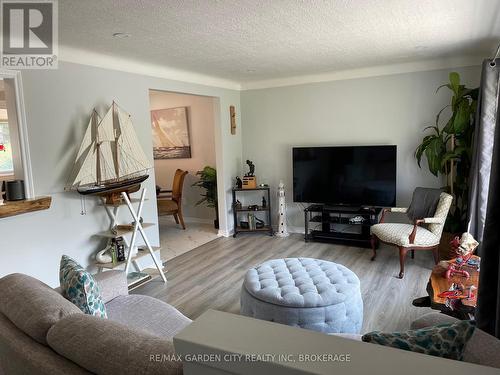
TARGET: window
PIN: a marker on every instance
(6, 162)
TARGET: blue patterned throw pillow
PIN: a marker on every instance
(445, 340)
(79, 287)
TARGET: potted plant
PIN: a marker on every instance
(448, 150)
(208, 181)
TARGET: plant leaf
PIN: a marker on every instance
(207, 181)
(436, 129)
(445, 85)
(455, 82)
(434, 153)
(462, 117)
(448, 128)
(420, 149)
(439, 114)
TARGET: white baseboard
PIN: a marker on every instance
(225, 233)
(292, 229)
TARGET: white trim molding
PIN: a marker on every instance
(373, 71)
(85, 57)
(22, 128)
(80, 56)
(225, 233)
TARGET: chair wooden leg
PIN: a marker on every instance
(402, 256)
(181, 219)
(373, 242)
(176, 219)
(435, 253)
(412, 254)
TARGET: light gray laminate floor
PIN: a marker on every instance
(210, 276)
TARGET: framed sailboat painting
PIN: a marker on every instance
(170, 133)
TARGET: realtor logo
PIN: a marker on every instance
(29, 34)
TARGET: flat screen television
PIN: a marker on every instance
(348, 175)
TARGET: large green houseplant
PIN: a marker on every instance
(448, 149)
(208, 181)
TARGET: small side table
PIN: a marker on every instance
(268, 227)
(438, 283)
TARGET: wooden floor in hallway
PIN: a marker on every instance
(210, 276)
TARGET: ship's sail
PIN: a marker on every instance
(131, 157)
(87, 174)
(84, 170)
(110, 151)
(106, 145)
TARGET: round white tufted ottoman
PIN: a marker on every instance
(304, 292)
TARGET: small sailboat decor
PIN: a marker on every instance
(110, 159)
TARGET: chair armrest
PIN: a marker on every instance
(112, 284)
(434, 220)
(391, 209)
(413, 233)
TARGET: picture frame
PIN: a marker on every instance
(170, 128)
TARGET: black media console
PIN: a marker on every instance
(340, 224)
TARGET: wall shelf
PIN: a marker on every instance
(12, 208)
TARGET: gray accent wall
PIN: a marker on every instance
(58, 105)
(391, 109)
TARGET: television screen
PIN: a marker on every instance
(357, 175)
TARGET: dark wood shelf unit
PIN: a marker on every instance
(266, 210)
(246, 209)
(266, 228)
(252, 189)
(336, 224)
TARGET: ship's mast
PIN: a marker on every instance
(98, 145)
(116, 127)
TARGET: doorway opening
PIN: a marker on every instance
(15, 163)
(183, 127)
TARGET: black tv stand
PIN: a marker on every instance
(337, 224)
(341, 208)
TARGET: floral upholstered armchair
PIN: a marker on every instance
(423, 234)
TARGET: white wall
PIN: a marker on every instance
(58, 105)
(368, 111)
(201, 119)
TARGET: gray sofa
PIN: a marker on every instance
(43, 333)
(482, 348)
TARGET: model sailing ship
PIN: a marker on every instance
(110, 159)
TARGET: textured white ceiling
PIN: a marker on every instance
(253, 40)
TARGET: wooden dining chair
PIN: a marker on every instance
(170, 201)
